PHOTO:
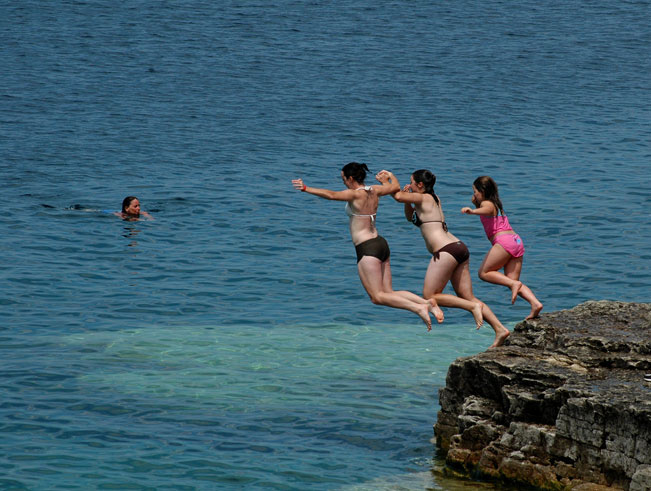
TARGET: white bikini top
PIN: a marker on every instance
(350, 213)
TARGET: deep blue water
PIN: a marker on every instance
(228, 343)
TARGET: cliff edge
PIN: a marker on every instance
(563, 405)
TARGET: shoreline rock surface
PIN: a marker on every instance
(563, 405)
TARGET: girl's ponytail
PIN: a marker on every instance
(428, 180)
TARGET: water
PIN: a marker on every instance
(228, 343)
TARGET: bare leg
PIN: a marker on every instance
(512, 270)
(438, 274)
(435, 309)
(463, 287)
(489, 271)
(431, 303)
(376, 278)
(475, 308)
(501, 332)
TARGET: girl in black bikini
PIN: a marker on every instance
(373, 255)
(450, 256)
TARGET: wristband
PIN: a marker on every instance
(304, 188)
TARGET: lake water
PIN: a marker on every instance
(228, 343)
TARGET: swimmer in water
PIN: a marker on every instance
(131, 210)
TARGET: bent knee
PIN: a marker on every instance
(376, 299)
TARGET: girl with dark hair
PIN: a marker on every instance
(373, 255)
(508, 249)
(450, 256)
(131, 203)
(131, 209)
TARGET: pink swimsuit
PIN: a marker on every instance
(512, 243)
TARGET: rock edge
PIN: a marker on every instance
(563, 405)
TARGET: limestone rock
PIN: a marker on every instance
(563, 405)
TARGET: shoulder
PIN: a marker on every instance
(489, 206)
(427, 199)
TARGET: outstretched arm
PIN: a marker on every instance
(407, 197)
(345, 195)
(486, 208)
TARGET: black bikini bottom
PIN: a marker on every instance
(458, 250)
(376, 247)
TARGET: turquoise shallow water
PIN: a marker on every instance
(228, 343)
(293, 406)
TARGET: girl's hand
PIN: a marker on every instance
(383, 176)
(467, 210)
(298, 184)
(407, 188)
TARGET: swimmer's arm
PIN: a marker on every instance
(407, 197)
(409, 211)
(345, 195)
(486, 208)
(146, 215)
(389, 182)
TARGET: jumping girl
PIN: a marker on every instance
(507, 251)
(373, 253)
(450, 256)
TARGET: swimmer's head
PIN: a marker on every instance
(131, 206)
(356, 171)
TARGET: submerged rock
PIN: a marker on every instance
(563, 405)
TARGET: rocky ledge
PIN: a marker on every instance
(563, 405)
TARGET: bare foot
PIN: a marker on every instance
(476, 313)
(535, 310)
(436, 310)
(515, 288)
(423, 313)
(500, 338)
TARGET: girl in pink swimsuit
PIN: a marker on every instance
(507, 251)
